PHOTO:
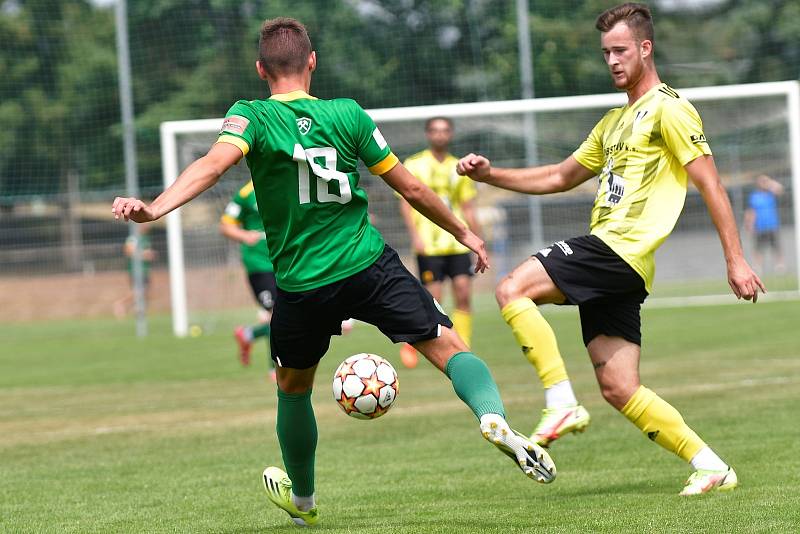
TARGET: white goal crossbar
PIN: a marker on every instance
(172, 129)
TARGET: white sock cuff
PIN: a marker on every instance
(303, 503)
(560, 395)
(708, 459)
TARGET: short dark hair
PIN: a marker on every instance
(283, 46)
(430, 121)
(636, 16)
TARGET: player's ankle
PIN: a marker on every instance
(708, 460)
(493, 418)
(247, 334)
(304, 504)
(560, 395)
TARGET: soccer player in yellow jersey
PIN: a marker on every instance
(643, 154)
(439, 254)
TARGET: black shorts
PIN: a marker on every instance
(437, 268)
(264, 288)
(384, 294)
(768, 239)
(607, 291)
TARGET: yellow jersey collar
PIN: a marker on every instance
(428, 153)
(294, 95)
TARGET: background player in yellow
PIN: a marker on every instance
(642, 154)
(439, 254)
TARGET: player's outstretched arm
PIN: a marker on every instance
(531, 180)
(236, 233)
(743, 281)
(199, 176)
(431, 206)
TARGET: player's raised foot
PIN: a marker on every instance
(279, 491)
(245, 344)
(408, 355)
(532, 459)
(705, 480)
(556, 422)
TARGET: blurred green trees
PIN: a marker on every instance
(59, 106)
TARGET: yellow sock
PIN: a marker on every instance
(537, 340)
(662, 423)
(462, 324)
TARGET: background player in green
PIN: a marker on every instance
(642, 153)
(330, 262)
(241, 222)
(143, 242)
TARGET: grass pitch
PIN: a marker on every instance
(101, 432)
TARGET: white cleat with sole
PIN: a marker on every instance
(532, 459)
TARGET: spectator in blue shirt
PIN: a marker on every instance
(762, 221)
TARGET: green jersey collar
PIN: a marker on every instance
(294, 95)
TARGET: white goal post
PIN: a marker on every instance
(788, 90)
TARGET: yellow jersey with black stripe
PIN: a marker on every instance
(639, 152)
(303, 156)
(454, 190)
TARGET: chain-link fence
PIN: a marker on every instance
(61, 159)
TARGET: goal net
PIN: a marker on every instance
(752, 129)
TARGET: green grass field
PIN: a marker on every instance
(101, 432)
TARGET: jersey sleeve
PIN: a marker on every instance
(372, 148)
(682, 131)
(232, 213)
(239, 127)
(590, 153)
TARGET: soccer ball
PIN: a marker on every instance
(365, 386)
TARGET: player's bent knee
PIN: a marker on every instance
(439, 350)
(295, 381)
(507, 291)
(617, 395)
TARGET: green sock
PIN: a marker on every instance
(297, 434)
(260, 330)
(474, 384)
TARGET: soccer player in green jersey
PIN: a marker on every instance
(144, 244)
(330, 262)
(241, 222)
(642, 153)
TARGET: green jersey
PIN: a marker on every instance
(143, 243)
(242, 211)
(303, 155)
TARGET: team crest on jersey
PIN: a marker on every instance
(615, 184)
(304, 125)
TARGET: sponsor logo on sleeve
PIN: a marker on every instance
(235, 124)
(697, 139)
